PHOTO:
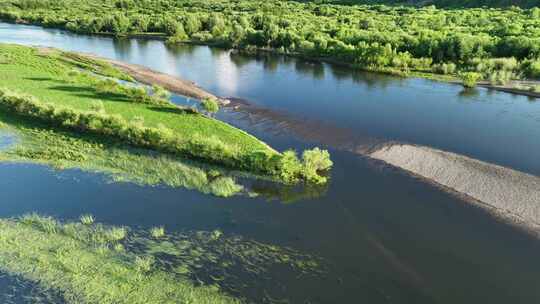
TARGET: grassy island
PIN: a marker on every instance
(74, 93)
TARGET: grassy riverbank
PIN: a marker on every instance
(88, 262)
(80, 94)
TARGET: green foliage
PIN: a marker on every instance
(444, 68)
(314, 162)
(76, 260)
(393, 39)
(531, 68)
(211, 106)
(157, 232)
(69, 150)
(131, 115)
(470, 79)
(87, 219)
(84, 266)
(290, 167)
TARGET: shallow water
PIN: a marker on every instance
(387, 237)
(6, 140)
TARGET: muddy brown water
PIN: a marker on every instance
(387, 237)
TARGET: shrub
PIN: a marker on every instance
(290, 167)
(314, 162)
(211, 106)
(532, 68)
(470, 79)
(444, 68)
(160, 92)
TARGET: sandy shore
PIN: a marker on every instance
(512, 194)
(151, 77)
(171, 83)
(513, 88)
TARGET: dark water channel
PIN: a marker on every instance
(385, 236)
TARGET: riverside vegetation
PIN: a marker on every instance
(88, 262)
(498, 44)
(81, 95)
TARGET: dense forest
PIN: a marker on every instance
(496, 44)
(443, 3)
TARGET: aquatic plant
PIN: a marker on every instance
(157, 232)
(144, 264)
(119, 163)
(87, 219)
(72, 261)
(85, 272)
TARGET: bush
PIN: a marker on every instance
(444, 68)
(160, 92)
(289, 167)
(470, 79)
(211, 106)
(532, 68)
(314, 162)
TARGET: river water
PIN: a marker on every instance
(386, 237)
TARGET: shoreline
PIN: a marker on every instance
(149, 76)
(510, 195)
(172, 83)
(188, 87)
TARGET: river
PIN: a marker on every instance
(386, 237)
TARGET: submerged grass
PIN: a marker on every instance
(72, 259)
(95, 263)
(66, 150)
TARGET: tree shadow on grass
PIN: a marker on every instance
(43, 79)
(176, 110)
(39, 78)
(89, 92)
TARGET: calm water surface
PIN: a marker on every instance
(387, 237)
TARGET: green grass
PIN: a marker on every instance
(96, 263)
(43, 85)
(46, 76)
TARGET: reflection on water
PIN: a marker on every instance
(6, 139)
(387, 237)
